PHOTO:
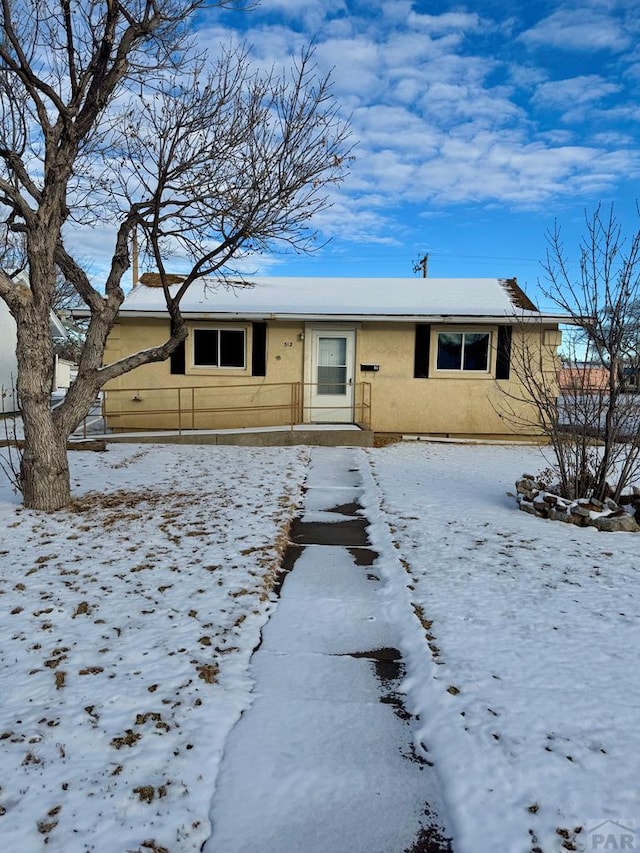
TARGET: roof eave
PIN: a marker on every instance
(521, 317)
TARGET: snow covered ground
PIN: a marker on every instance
(128, 621)
(530, 698)
(127, 627)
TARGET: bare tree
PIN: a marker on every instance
(582, 406)
(110, 115)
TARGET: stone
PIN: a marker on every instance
(556, 514)
(625, 523)
(540, 507)
(578, 520)
(578, 509)
(528, 495)
(533, 498)
(628, 500)
(590, 504)
(526, 486)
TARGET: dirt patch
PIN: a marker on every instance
(208, 672)
(382, 439)
(431, 838)
(364, 557)
(351, 508)
(291, 554)
(349, 534)
(387, 661)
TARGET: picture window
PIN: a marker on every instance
(219, 348)
(464, 351)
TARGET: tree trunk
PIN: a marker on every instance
(44, 471)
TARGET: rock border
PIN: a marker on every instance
(607, 516)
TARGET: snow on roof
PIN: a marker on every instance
(351, 298)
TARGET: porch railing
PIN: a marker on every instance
(229, 406)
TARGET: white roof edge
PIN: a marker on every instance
(520, 317)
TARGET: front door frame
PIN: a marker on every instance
(329, 408)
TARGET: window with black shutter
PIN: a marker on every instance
(422, 346)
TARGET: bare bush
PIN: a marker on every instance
(583, 406)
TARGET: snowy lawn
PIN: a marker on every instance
(530, 698)
(127, 625)
(128, 621)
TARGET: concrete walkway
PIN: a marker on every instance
(323, 760)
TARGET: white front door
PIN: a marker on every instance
(332, 368)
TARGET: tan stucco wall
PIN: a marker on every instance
(445, 403)
(131, 404)
(451, 403)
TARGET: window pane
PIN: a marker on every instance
(476, 351)
(332, 351)
(332, 369)
(449, 351)
(332, 380)
(205, 347)
(231, 348)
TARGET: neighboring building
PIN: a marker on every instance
(66, 367)
(583, 378)
(64, 370)
(630, 378)
(8, 360)
(428, 356)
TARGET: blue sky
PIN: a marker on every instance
(477, 124)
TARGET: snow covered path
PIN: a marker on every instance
(323, 760)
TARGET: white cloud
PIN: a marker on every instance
(448, 22)
(384, 127)
(525, 76)
(440, 119)
(580, 29)
(613, 139)
(524, 174)
(362, 222)
(311, 13)
(562, 94)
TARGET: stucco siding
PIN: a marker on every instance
(209, 398)
(446, 402)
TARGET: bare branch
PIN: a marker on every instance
(594, 430)
(111, 116)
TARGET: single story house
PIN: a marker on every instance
(395, 355)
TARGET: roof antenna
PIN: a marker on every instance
(421, 264)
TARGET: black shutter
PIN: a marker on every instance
(176, 359)
(503, 358)
(259, 350)
(423, 341)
